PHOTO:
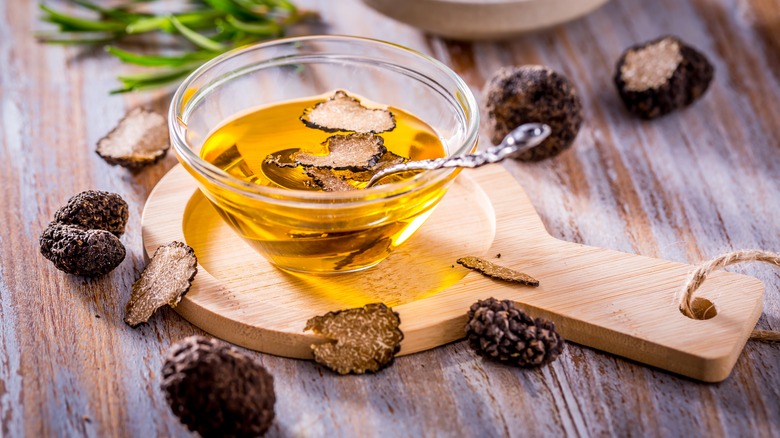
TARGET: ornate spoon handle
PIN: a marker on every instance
(519, 140)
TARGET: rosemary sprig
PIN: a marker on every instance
(208, 27)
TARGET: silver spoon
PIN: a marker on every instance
(519, 140)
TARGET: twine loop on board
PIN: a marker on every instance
(697, 277)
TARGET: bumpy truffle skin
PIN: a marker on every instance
(94, 209)
(533, 94)
(215, 390)
(689, 82)
(500, 331)
(77, 251)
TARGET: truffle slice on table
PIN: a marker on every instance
(166, 279)
(500, 331)
(216, 390)
(660, 76)
(364, 339)
(353, 152)
(78, 251)
(341, 112)
(533, 94)
(140, 139)
(94, 209)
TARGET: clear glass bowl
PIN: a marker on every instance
(322, 232)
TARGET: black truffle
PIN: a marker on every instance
(660, 76)
(216, 390)
(533, 94)
(94, 209)
(79, 251)
(500, 331)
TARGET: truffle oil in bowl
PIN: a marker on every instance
(329, 143)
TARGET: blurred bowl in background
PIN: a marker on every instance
(483, 19)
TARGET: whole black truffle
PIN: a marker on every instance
(498, 330)
(94, 209)
(215, 390)
(78, 251)
(533, 94)
(660, 76)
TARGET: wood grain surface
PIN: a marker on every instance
(685, 188)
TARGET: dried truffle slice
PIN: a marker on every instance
(328, 181)
(493, 270)
(140, 139)
(216, 390)
(166, 279)
(94, 209)
(500, 331)
(660, 76)
(533, 94)
(353, 152)
(364, 339)
(78, 251)
(342, 112)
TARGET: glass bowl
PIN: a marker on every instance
(309, 231)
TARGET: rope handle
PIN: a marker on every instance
(700, 274)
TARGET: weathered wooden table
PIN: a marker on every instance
(685, 187)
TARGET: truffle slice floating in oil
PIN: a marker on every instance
(353, 152)
(165, 280)
(216, 390)
(328, 181)
(362, 340)
(533, 94)
(94, 209)
(386, 160)
(140, 139)
(660, 76)
(493, 270)
(342, 112)
(78, 251)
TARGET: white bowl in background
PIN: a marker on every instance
(483, 19)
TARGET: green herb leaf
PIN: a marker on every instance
(212, 26)
(159, 60)
(195, 38)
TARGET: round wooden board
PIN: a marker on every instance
(617, 302)
(484, 19)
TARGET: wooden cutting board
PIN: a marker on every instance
(621, 303)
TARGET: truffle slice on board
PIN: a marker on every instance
(140, 139)
(364, 339)
(342, 112)
(165, 280)
(499, 272)
(660, 76)
(533, 94)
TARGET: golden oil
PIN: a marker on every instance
(310, 238)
